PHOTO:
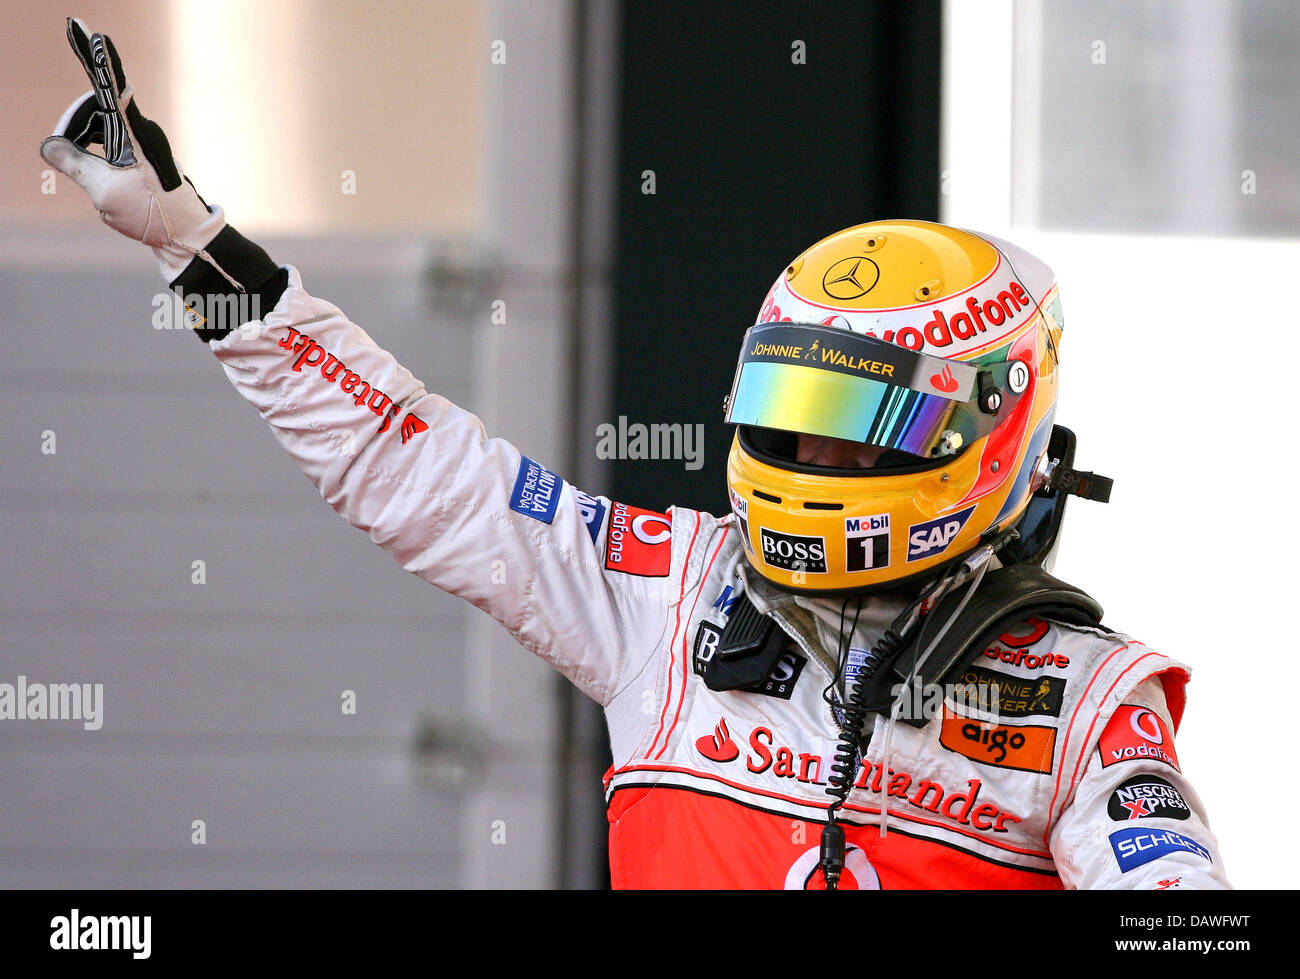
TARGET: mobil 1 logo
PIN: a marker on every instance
(793, 552)
(866, 540)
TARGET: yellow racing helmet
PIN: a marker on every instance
(935, 344)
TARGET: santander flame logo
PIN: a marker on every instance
(718, 746)
(944, 380)
(412, 425)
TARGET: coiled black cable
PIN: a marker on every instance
(847, 752)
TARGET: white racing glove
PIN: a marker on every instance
(140, 191)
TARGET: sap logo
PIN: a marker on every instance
(933, 537)
(592, 512)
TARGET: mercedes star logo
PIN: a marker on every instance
(850, 278)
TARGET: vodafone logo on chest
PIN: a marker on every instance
(1137, 734)
(640, 541)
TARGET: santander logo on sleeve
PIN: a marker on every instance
(1137, 734)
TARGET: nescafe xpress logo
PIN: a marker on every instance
(1144, 797)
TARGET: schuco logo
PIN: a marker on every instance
(312, 354)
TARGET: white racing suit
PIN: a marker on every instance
(1075, 784)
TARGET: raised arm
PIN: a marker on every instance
(418, 474)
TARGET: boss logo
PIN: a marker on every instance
(793, 553)
(706, 646)
(780, 682)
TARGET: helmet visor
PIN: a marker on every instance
(819, 380)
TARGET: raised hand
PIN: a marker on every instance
(136, 185)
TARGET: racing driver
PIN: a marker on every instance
(863, 676)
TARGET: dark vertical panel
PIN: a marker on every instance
(755, 157)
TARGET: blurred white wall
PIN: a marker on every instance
(1175, 355)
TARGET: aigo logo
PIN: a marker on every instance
(1023, 747)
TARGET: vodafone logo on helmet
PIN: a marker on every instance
(987, 313)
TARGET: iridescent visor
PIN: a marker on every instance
(823, 381)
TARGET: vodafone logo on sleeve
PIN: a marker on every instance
(639, 542)
(1137, 734)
